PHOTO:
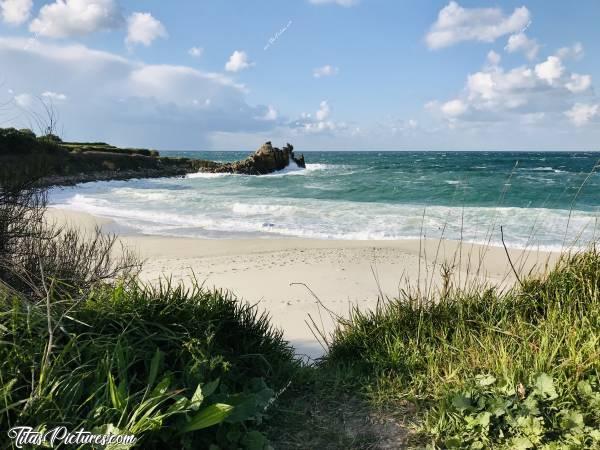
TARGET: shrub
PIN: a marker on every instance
(157, 363)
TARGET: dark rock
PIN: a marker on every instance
(266, 159)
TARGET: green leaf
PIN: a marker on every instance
(483, 419)
(209, 416)
(530, 405)
(254, 440)
(531, 426)
(521, 443)
(584, 388)
(154, 366)
(485, 380)
(161, 387)
(544, 387)
(453, 442)
(116, 396)
(246, 407)
(209, 388)
(461, 402)
(178, 406)
(571, 420)
(196, 399)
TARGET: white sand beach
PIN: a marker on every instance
(286, 276)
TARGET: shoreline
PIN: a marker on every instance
(283, 276)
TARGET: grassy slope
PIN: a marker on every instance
(474, 370)
(519, 370)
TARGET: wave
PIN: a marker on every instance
(290, 169)
(327, 219)
(208, 175)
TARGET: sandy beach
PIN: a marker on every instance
(285, 277)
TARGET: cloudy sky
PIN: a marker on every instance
(322, 74)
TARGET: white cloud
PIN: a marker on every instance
(325, 71)
(324, 111)
(238, 61)
(521, 95)
(124, 100)
(15, 12)
(320, 123)
(24, 100)
(453, 108)
(457, 24)
(54, 96)
(519, 42)
(550, 70)
(67, 18)
(581, 114)
(573, 52)
(579, 83)
(196, 52)
(271, 114)
(493, 58)
(143, 28)
(345, 3)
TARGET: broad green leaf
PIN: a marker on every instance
(485, 380)
(571, 420)
(521, 443)
(209, 388)
(209, 416)
(584, 388)
(532, 427)
(544, 387)
(531, 405)
(483, 419)
(196, 399)
(461, 402)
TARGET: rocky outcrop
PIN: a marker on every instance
(266, 159)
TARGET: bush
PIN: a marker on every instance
(157, 363)
(32, 250)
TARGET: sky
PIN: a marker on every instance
(321, 74)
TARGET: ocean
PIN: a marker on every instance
(541, 199)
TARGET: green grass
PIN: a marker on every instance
(149, 361)
(473, 362)
(190, 369)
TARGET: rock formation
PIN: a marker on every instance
(266, 159)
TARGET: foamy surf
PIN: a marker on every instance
(365, 197)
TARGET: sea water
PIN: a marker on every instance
(543, 200)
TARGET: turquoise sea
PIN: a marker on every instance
(541, 199)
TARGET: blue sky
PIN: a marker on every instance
(322, 74)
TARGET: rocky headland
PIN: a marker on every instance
(266, 159)
(52, 162)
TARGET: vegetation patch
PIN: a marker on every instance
(485, 369)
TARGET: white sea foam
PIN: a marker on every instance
(207, 175)
(326, 219)
(224, 204)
